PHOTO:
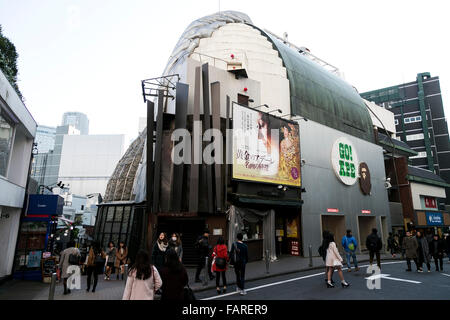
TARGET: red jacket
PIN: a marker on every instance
(220, 251)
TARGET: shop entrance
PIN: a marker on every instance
(336, 225)
(366, 224)
(189, 230)
(287, 233)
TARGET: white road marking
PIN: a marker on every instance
(387, 276)
(444, 274)
(286, 281)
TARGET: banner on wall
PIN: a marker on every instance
(265, 148)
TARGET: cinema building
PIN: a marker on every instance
(302, 156)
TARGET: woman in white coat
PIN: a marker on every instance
(333, 261)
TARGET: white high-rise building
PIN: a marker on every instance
(78, 120)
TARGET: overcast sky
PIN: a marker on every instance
(90, 55)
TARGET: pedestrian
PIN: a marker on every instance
(391, 244)
(174, 277)
(121, 259)
(175, 243)
(410, 247)
(203, 248)
(219, 264)
(94, 266)
(349, 244)
(239, 259)
(66, 260)
(323, 254)
(159, 251)
(447, 242)
(143, 279)
(423, 251)
(437, 249)
(374, 245)
(401, 237)
(333, 261)
(110, 260)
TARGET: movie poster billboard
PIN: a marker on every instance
(265, 148)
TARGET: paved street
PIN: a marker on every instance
(310, 285)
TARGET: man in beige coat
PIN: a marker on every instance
(64, 263)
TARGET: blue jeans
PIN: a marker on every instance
(351, 254)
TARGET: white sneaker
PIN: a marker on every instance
(243, 293)
(238, 290)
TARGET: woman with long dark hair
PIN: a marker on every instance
(333, 260)
(174, 277)
(159, 251)
(219, 265)
(95, 263)
(110, 259)
(175, 243)
(143, 279)
(121, 259)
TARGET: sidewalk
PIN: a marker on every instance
(113, 290)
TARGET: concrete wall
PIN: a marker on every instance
(324, 190)
(419, 189)
(8, 237)
(386, 117)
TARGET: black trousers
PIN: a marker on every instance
(441, 262)
(371, 255)
(92, 270)
(422, 261)
(240, 276)
(224, 278)
(200, 266)
(408, 262)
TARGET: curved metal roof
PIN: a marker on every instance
(321, 96)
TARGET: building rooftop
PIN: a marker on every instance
(425, 176)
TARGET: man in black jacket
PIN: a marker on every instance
(203, 248)
(374, 245)
(437, 249)
(239, 262)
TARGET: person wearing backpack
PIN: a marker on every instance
(65, 261)
(349, 244)
(374, 245)
(219, 264)
(239, 259)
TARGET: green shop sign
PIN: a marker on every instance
(345, 161)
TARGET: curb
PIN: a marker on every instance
(272, 275)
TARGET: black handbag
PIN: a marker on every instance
(74, 259)
(188, 294)
(221, 263)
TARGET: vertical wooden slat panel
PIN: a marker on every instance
(228, 149)
(181, 105)
(196, 146)
(149, 176)
(158, 151)
(207, 120)
(215, 99)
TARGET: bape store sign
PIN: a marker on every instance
(345, 161)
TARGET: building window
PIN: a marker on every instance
(421, 154)
(413, 119)
(413, 137)
(253, 230)
(396, 121)
(6, 137)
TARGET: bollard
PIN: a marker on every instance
(125, 272)
(51, 293)
(310, 256)
(205, 280)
